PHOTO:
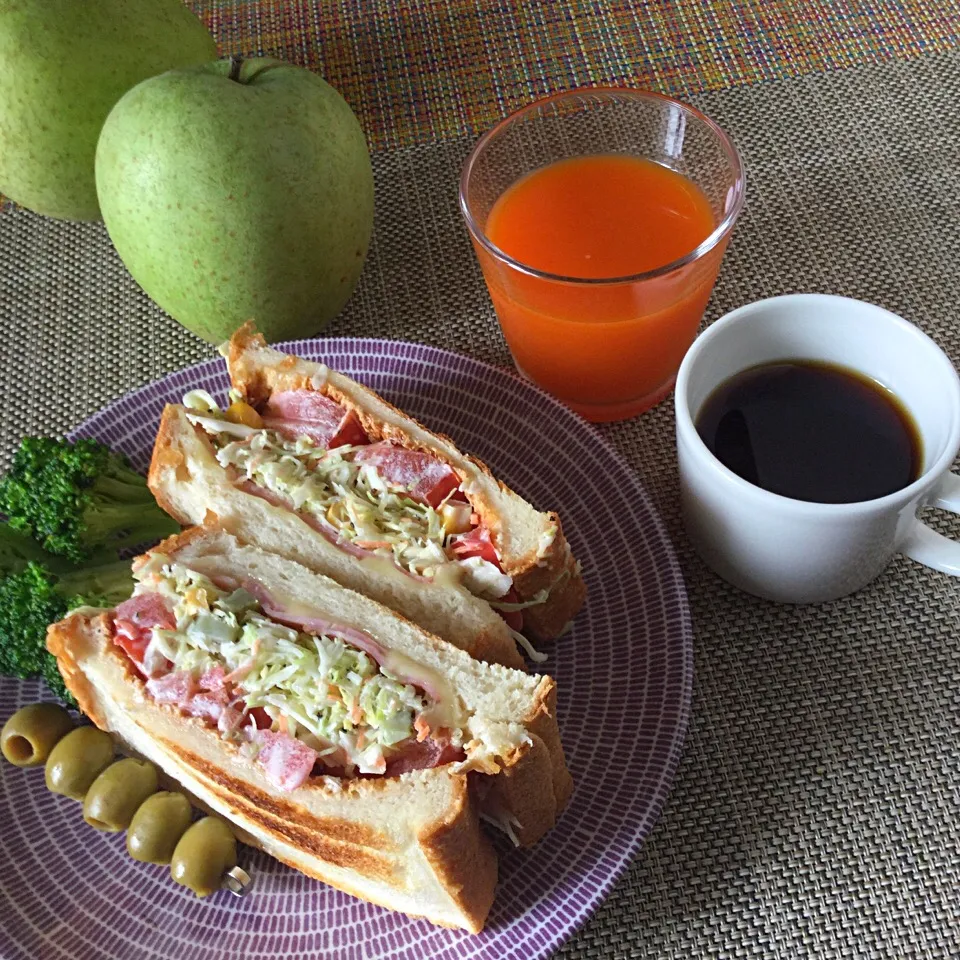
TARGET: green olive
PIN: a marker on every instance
(205, 852)
(32, 732)
(158, 826)
(76, 761)
(113, 798)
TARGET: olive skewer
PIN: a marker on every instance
(122, 795)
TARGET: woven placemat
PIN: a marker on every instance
(816, 810)
(418, 71)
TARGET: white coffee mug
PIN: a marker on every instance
(794, 551)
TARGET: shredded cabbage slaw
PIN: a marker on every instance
(349, 498)
(331, 696)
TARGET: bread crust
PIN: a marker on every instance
(168, 466)
(518, 793)
(541, 724)
(256, 370)
(436, 864)
(462, 855)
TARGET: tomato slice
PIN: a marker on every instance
(350, 431)
(475, 543)
(133, 641)
(513, 618)
(427, 479)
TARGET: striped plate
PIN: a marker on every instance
(624, 676)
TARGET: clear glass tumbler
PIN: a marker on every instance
(607, 346)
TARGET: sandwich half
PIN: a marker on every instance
(335, 735)
(313, 466)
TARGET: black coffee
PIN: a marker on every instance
(812, 431)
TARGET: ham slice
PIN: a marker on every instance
(230, 718)
(176, 688)
(317, 625)
(213, 679)
(328, 531)
(356, 638)
(299, 413)
(423, 477)
(192, 697)
(412, 755)
(286, 761)
(146, 610)
(209, 706)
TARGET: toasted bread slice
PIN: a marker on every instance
(497, 694)
(187, 480)
(189, 484)
(410, 842)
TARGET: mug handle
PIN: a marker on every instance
(928, 547)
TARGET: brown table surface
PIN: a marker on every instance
(816, 811)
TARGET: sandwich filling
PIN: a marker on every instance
(305, 452)
(302, 695)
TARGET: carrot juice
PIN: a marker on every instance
(608, 345)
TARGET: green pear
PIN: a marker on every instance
(63, 65)
(235, 190)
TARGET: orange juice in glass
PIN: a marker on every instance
(599, 218)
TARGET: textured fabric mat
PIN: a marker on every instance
(421, 70)
(816, 812)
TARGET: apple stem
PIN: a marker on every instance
(236, 64)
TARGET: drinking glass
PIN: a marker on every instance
(608, 347)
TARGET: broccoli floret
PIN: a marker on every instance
(17, 550)
(35, 597)
(75, 497)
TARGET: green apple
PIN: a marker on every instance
(63, 65)
(238, 190)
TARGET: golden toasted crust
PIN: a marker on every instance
(520, 788)
(166, 456)
(533, 785)
(542, 722)
(463, 859)
(549, 620)
(247, 337)
(180, 541)
(518, 795)
(278, 809)
(64, 641)
(532, 571)
(340, 842)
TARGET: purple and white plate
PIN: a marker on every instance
(624, 676)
